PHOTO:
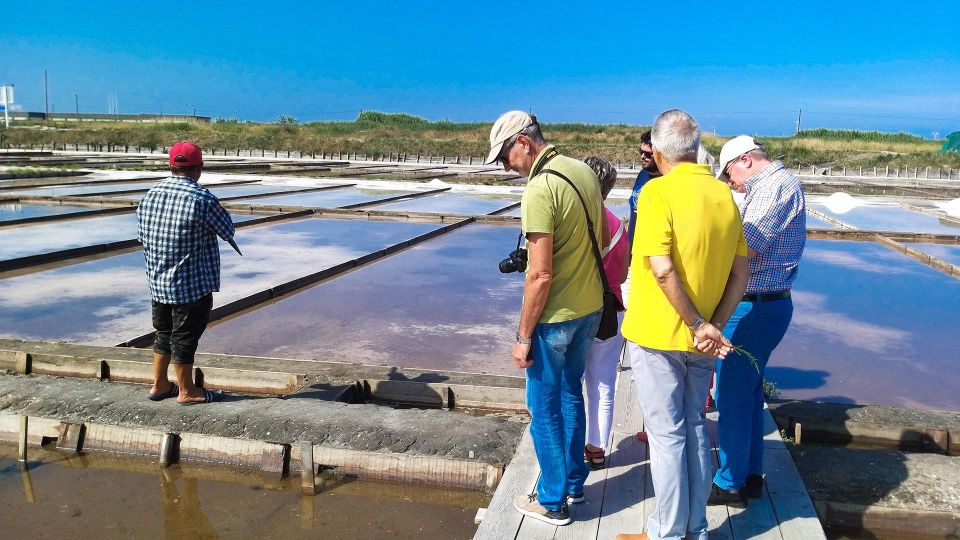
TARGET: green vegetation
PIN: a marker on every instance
(376, 133)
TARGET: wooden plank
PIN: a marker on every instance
(520, 477)
(718, 516)
(308, 479)
(627, 417)
(24, 424)
(625, 492)
(71, 438)
(586, 515)
(890, 521)
(791, 502)
(168, 449)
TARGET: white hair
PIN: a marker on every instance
(676, 135)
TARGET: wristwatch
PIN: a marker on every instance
(523, 340)
(696, 324)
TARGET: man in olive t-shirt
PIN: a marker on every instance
(562, 298)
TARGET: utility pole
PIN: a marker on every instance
(76, 100)
(799, 114)
(46, 97)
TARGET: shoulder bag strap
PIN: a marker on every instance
(593, 237)
(614, 240)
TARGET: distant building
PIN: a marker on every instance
(97, 117)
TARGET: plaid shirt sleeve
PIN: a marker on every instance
(216, 218)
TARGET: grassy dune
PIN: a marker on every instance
(374, 133)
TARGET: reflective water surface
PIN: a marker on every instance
(12, 211)
(105, 497)
(107, 301)
(46, 237)
(946, 253)
(330, 199)
(65, 190)
(870, 326)
(440, 305)
(891, 218)
(452, 203)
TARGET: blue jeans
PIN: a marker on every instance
(757, 327)
(555, 401)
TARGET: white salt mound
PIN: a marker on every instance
(841, 203)
(950, 207)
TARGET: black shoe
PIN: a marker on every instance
(719, 496)
(754, 487)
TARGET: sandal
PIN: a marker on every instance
(173, 392)
(592, 457)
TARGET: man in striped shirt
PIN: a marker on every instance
(179, 222)
(775, 226)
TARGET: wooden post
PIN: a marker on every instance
(22, 440)
(308, 481)
(860, 171)
(168, 450)
(797, 433)
(71, 438)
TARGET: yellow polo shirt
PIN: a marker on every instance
(689, 215)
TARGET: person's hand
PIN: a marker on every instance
(521, 356)
(708, 339)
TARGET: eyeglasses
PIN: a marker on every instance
(504, 156)
(729, 167)
(644, 153)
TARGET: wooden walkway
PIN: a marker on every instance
(620, 497)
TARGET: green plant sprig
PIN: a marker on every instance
(748, 355)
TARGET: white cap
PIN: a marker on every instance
(508, 125)
(733, 149)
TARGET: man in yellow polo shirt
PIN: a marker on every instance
(562, 298)
(689, 272)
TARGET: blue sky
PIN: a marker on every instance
(738, 67)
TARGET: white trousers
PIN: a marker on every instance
(600, 385)
(672, 387)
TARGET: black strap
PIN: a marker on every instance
(593, 237)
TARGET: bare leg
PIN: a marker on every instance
(161, 384)
(188, 390)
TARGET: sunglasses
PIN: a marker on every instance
(644, 153)
(504, 156)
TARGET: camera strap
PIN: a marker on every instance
(593, 236)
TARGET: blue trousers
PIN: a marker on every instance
(757, 327)
(555, 400)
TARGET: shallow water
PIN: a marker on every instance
(870, 326)
(66, 190)
(104, 497)
(47, 237)
(891, 218)
(107, 301)
(12, 211)
(330, 199)
(947, 253)
(452, 203)
(442, 304)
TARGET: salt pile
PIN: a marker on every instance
(950, 207)
(841, 203)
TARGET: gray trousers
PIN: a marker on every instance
(672, 388)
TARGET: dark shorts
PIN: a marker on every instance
(179, 327)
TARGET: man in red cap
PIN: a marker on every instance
(179, 222)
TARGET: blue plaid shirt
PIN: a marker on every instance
(775, 226)
(178, 223)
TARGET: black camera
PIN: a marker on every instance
(516, 260)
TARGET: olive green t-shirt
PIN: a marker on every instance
(551, 206)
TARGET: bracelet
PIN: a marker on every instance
(523, 340)
(696, 324)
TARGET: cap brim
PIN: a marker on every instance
(720, 175)
(494, 153)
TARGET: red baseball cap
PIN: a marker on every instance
(185, 154)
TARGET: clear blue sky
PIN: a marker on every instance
(737, 67)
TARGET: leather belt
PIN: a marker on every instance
(767, 296)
